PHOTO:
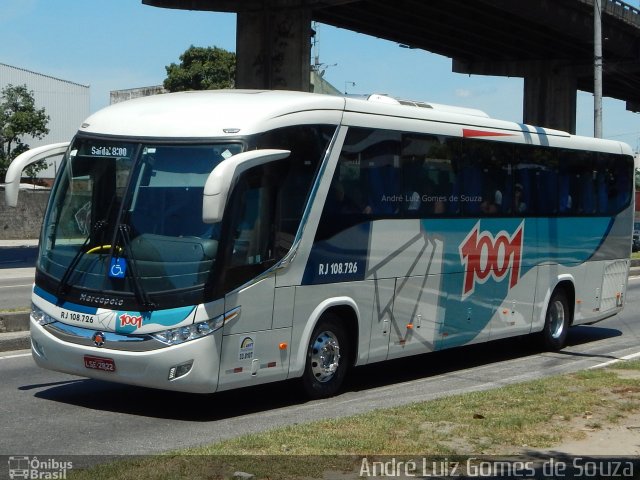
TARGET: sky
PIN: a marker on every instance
(120, 44)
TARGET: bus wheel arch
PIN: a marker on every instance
(349, 317)
(570, 292)
(558, 316)
(331, 351)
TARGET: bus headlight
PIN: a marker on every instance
(175, 336)
(40, 317)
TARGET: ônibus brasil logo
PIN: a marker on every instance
(484, 256)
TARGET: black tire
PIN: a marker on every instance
(556, 322)
(327, 358)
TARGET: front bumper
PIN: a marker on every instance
(149, 368)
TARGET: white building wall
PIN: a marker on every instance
(66, 103)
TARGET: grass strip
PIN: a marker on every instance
(504, 421)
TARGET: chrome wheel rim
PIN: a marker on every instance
(325, 357)
(556, 319)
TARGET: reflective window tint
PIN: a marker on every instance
(391, 174)
(268, 203)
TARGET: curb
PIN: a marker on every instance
(15, 341)
(14, 322)
(14, 331)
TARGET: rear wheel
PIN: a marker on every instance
(557, 321)
(327, 358)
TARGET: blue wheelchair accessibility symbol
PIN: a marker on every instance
(118, 267)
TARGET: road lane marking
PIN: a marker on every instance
(17, 355)
(16, 286)
(617, 360)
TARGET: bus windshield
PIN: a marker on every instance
(124, 206)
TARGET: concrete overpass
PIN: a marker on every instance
(549, 43)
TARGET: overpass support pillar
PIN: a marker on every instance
(550, 92)
(550, 89)
(273, 47)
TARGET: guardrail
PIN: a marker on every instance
(622, 11)
(617, 9)
(625, 6)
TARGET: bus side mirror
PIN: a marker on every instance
(224, 176)
(14, 172)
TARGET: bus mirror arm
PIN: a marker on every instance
(17, 166)
(225, 175)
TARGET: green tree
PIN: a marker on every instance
(19, 118)
(202, 68)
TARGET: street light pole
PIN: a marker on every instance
(597, 68)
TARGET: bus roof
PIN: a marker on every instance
(207, 114)
(228, 113)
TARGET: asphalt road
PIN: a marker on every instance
(16, 275)
(50, 413)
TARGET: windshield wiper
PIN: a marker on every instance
(141, 294)
(63, 287)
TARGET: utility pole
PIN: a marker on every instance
(597, 68)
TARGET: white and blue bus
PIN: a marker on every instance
(205, 241)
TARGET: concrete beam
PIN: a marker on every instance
(633, 107)
(244, 5)
(517, 68)
(207, 5)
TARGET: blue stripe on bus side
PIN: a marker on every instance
(567, 241)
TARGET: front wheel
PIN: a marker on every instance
(327, 358)
(556, 322)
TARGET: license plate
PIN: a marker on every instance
(100, 363)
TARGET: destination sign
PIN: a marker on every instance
(105, 149)
(109, 151)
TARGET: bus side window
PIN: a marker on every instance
(366, 183)
(622, 180)
(472, 188)
(380, 171)
(588, 203)
(250, 234)
(442, 190)
(567, 194)
(564, 195)
(603, 187)
(524, 192)
(307, 144)
(413, 183)
(612, 185)
(472, 176)
(345, 194)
